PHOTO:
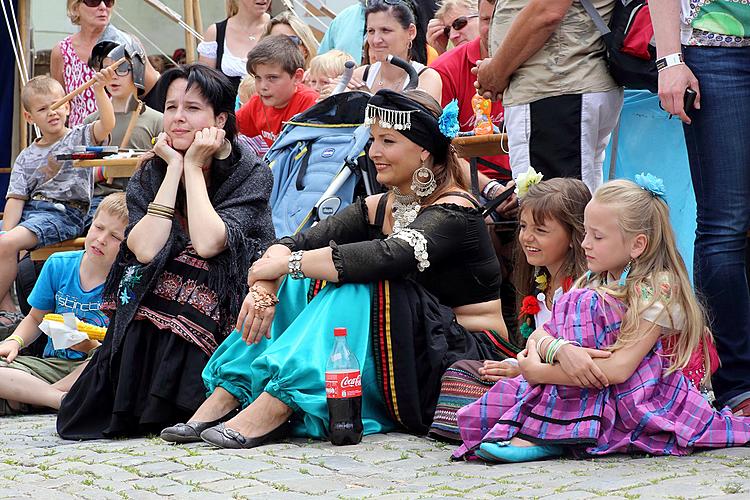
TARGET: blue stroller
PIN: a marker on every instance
(319, 160)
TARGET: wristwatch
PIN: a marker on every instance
(669, 61)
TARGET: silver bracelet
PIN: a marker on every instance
(295, 265)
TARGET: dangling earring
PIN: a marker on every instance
(423, 181)
(625, 272)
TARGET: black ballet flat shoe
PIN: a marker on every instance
(191, 431)
(224, 437)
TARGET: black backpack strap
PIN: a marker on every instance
(221, 34)
(596, 17)
(380, 212)
(491, 205)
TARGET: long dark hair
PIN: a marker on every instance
(218, 91)
(405, 13)
(561, 199)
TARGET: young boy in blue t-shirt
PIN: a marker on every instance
(47, 200)
(69, 282)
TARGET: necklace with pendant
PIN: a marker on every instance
(397, 87)
(405, 209)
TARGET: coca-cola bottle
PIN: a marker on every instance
(344, 393)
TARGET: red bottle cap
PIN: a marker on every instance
(339, 332)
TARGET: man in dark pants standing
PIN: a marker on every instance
(716, 65)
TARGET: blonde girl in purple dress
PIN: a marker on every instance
(635, 300)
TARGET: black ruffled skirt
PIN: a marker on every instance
(151, 382)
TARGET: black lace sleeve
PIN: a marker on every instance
(348, 226)
(436, 235)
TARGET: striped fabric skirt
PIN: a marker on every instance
(653, 411)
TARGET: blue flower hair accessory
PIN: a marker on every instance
(652, 184)
(448, 121)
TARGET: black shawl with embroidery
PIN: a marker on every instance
(240, 198)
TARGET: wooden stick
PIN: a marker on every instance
(189, 40)
(86, 85)
(104, 162)
(131, 124)
(197, 16)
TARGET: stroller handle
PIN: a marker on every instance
(345, 77)
(413, 75)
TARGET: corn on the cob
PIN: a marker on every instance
(94, 332)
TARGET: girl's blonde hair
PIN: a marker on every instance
(330, 64)
(301, 29)
(246, 89)
(640, 212)
(564, 200)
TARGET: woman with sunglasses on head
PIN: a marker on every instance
(412, 276)
(68, 60)
(391, 29)
(287, 23)
(225, 44)
(456, 21)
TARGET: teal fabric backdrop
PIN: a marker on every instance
(650, 142)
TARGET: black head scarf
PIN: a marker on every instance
(415, 122)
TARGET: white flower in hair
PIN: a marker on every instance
(527, 179)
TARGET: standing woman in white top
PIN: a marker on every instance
(391, 29)
(225, 44)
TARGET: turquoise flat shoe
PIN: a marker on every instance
(493, 452)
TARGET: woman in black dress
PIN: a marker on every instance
(199, 216)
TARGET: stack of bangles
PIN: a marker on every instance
(162, 211)
(548, 351)
(262, 298)
(491, 190)
(18, 339)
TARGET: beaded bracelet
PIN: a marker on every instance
(262, 298)
(295, 265)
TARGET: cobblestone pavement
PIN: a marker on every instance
(34, 462)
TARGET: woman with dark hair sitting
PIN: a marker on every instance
(199, 216)
(411, 274)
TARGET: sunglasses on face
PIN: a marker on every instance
(459, 24)
(95, 3)
(297, 40)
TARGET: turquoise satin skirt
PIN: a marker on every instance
(291, 364)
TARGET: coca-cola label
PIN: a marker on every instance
(343, 384)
